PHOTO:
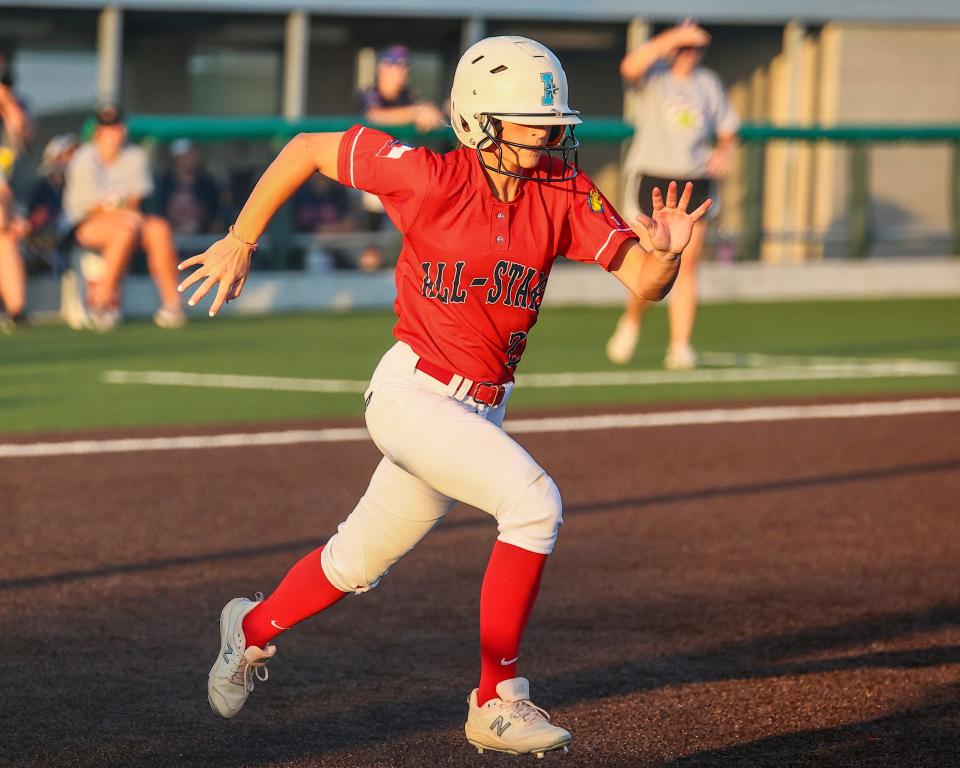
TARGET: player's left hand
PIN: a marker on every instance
(671, 226)
(226, 264)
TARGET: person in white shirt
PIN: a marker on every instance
(107, 181)
(685, 131)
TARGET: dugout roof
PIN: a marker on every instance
(735, 11)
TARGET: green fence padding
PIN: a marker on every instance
(208, 128)
(607, 129)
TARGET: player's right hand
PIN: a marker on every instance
(226, 264)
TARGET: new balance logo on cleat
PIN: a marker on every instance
(227, 653)
(499, 725)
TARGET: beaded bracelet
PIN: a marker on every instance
(232, 231)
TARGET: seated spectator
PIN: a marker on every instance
(48, 227)
(320, 205)
(187, 195)
(107, 181)
(15, 131)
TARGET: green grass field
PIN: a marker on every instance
(51, 377)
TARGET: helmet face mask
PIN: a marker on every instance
(518, 80)
(561, 143)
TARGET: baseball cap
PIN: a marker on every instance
(110, 114)
(180, 147)
(53, 150)
(395, 54)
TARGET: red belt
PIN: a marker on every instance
(482, 391)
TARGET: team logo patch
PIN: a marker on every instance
(594, 201)
(393, 150)
(550, 89)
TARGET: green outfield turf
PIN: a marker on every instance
(51, 378)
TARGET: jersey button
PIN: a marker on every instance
(499, 239)
(501, 216)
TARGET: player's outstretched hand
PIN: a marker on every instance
(226, 264)
(671, 226)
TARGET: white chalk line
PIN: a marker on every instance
(758, 368)
(230, 381)
(517, 426)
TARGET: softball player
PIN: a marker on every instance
(481, 228)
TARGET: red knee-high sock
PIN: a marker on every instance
(304, 591)
(509, 589)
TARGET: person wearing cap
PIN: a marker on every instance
(187, 195)
(685, 131)
(107, 180)
(390, 101)
(15, 131)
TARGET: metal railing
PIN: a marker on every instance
(754, 138)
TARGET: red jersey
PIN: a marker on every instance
(473, 270)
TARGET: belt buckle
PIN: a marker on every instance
(495, 396)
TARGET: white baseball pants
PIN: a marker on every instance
(439, 446)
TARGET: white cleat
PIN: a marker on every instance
(680, 358)
(72, 308)
(231, 678)
(622, 344)
(104, 320)
(170, 319)
(513, 723)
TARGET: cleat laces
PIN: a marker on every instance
(527, 711)
(246, 672)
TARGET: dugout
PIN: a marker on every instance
(803, 62)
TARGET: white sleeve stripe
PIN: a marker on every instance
(352, 148)
(607, 241)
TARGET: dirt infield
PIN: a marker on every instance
(781, 594)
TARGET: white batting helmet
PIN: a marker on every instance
(519, 80)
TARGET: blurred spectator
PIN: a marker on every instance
(187, 195)
(107, 181)
(48, 227)
(390, 102)
(321, 205)
(15, 131)
(685, 131)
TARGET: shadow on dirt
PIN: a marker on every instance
(637, 502)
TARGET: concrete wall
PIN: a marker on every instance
(861, 73)
(894, 75)
(570, 285)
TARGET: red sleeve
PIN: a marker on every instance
(398, 174)
(593, 231)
